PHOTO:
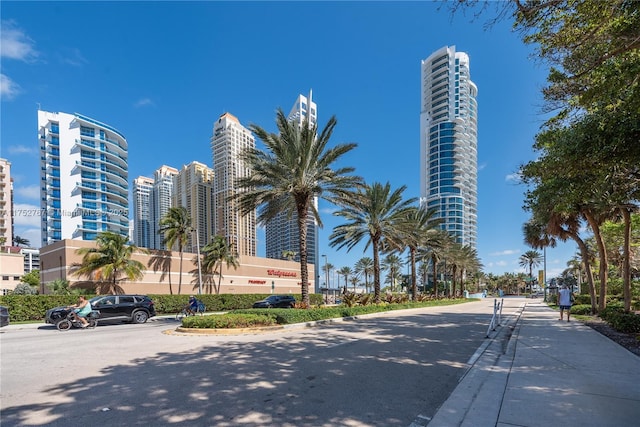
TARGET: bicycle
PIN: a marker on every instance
(186, 311)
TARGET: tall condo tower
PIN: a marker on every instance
(282, 233)
(229, 140)
(84, 178)
(6, 204)
(142, 208)
(193, 189)
(449, 143)
(161, 199)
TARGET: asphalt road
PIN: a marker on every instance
(377, 371)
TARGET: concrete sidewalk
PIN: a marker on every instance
(540, 371)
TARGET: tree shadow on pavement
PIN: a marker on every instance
(368, 372)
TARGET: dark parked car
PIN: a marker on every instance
(276, 301)
(129, 308)
(4, 316)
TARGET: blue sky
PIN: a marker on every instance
(162, 73)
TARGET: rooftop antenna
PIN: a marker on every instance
(37, 103)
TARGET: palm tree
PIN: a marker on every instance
(175, 227)
(354, 281)
(215, 253)
(373, 212)
(20, 241)
(289, 255)
(434, 249)
(296, 168)
(393, 264)
(530, 259)
(345, 272)
(417, 229)
(364, 267)
(109, 261)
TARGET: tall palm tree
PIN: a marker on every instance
(393, 264)
(373, 212)
(364, 267)
(109, 262)
(215, 253)
(434, 248)
(354, 281)
(175, 227)
(296, 167)
(345, 272)
(417, 229)
(530, 259)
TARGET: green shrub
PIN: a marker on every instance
(583, 299)
(611, 309)
(584, 309)
(229, 321)
(625, 322)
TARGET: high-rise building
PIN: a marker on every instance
(193, 189)
(142, 212)
(281, 233)
(449, 143)
(229, 140)
(161, 200)
(6, 204)
(84, 178)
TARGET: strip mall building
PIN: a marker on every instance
(254, 275)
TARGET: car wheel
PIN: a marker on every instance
(63, 325)
(139, 316)
(93, 323)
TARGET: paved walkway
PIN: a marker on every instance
(549, 373)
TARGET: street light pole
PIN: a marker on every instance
(326, 275)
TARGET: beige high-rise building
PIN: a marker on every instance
(193, 189)
(161, 199)
(229, 140)
(6, 204)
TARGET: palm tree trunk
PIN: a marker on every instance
(376, 272)
(626, 261)
(303, 211)
(180, 277)
(414, 285)
(435, 277)
(602, 253)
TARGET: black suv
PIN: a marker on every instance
(276, 301)
(130, 308)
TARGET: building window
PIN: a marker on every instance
(87, 131)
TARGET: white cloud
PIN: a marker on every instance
(29, 192)
(26, 216)
(16, 44)
(21, 149)
(8, 88)
(513, 177)
(143, 103)
(72, 56)
(506, 252)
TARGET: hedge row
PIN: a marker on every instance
(24, 308)
(285, 316)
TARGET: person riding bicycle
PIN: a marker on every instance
(192, 307)
(81, 310)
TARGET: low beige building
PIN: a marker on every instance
(11, 268)
(162, 270)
